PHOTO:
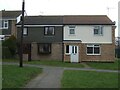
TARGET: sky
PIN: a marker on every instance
(66, 7)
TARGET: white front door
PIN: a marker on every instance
(74, 56)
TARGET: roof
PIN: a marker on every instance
(68, 20)
(87, 19)
(10, 14)
(43, 20)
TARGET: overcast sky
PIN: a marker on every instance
(65, 7)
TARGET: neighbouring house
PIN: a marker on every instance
(42, 37)
(71, 38)
(8, 22)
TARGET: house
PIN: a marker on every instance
(42, 37)
(8, 22)
(71, 38)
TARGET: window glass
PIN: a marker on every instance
(44, 48)
(96, 50)
(4, 24)
(93, 49)
(75, 49)
(98, 30)
(49, 30)
(67, 48)
(89, 50)
(71, 29)
(25, 31)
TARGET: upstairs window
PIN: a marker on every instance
(72, 30)
(25, 31)
(93, 49)
(98, 30)
(44, 48)
(5, 24)
(49, 31)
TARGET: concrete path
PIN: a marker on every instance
(51, 76)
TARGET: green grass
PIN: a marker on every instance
(56, 63)
(10, 60)
(16, 77)
(89, 79)
(103, 65)
(97, 65)
(48, 63)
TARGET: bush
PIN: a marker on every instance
(9, 47)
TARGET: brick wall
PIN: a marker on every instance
(107, 53)
(56, 52)
(13, 28)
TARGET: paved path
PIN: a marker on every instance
(51, 76)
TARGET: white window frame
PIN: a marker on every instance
(71, 28)
(100, 30)
(46, 31)
(93, 46)
(5, 24)
(25, 31)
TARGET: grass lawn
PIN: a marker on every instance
(56, 63)
(89, 79)
(49, 63)
(16, 77)
(107, 65)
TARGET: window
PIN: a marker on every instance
(25, 31)
(71, 30)
(49, 31)
(98, 30)
(67, 49)
(44, 48)
(93, 49)
(5, 24)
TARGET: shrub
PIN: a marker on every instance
(9, 47)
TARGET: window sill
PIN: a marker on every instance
(98, 34)
(93, 54)
(3, 28)
(48, 35)
(72, 35)
(67, 54)
(44, 53)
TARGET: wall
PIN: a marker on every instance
(7, 31)
(107, 51)
(86, 35)
(13, 28)
(56, 52)
(36, 34)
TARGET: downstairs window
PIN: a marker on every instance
(93, 49)
(44, 48)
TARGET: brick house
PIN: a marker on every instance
(69, 38)
(8, 22)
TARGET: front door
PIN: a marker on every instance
(74, 57)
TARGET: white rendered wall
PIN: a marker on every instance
(85, 33)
